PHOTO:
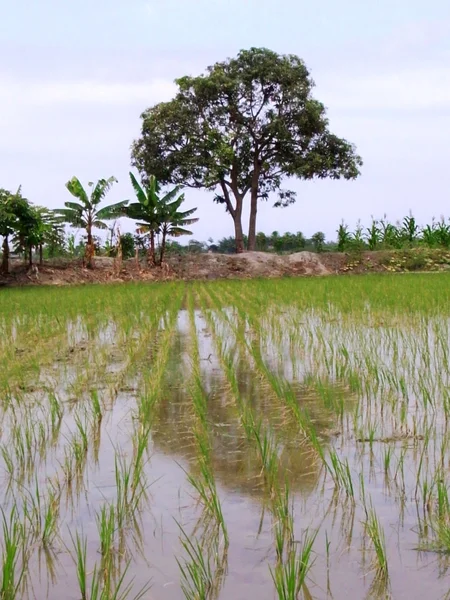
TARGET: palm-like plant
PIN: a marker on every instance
(158, 215)
(145, 210)
(86, 213)
(174, 221)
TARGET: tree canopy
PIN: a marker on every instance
(239, 130)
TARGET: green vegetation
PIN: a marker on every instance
(383, 235)
(158, 215)
(185, 435)
(86, 212)
(241, 128)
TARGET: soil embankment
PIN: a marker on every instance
(223, 266)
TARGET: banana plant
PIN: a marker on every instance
(86, 213)
(158, 215)
(174, 221)
(146, 212)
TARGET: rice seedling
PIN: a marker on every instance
(101, 587)
(289, 575)
(375, 532)
(96, 407)
(42, 515)
(106, 526)
(201, 577)
(131, 486)
(14, 560)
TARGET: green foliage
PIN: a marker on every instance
(280, 243)
(383, 235)
(239, 130)
(318, 240)
(27, 226)
(158, 214)
(127, 242)
(86, 213)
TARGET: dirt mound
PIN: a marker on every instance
(273, 265)
(246, 265)
(190, 266)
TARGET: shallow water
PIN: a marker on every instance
(371, 384)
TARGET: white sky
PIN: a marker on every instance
(75, 77)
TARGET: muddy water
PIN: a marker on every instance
(302, 349)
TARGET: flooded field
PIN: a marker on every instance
(243, 439)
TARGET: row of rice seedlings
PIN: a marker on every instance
(136, 357)
(289, 575)
(266, 447)
(282, 389)
(102, 586)
(27, 444)
(202, 570)
(152, 383)
(204, 483)
(435, 522)
(41, 514)
(262, 436)
(14, 555)
(131, 487)
(228, 365)
(375, 532)
(293, 562)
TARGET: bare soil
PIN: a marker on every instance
(207, 266)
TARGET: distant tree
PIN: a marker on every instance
(86, 213)
(262, 241)
(127, 242)
(318, 240)
(173, 247)
(239, 130)
(300, 241)
(227, 245)
(196, 247)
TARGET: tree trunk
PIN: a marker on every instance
(237, 217)
(89, 249)
(252, 221)
(151, 258)
(253, 206)
(239, 236)
(5, 258)
(30, 255)
(41, 255)
(163, 247)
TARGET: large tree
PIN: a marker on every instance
(239, 130)
(86, 213)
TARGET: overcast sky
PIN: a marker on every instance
(75, 77)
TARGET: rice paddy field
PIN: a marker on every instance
(275, 439)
